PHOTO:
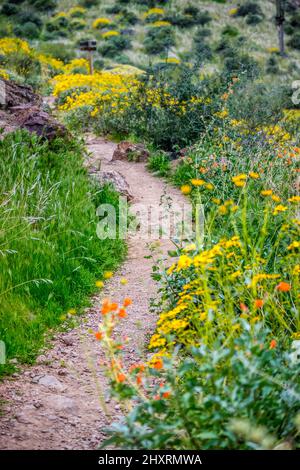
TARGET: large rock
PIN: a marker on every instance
(51, 382)
(20, 108)
(118, 181)
(36, 120)
(13, 94)
(130, 152)
(59, 403)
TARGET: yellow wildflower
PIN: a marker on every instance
(279, 208)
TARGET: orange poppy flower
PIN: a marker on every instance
(98, 335)
(283, 286)
(158, 364)
(105, 310)
(258, 303)
(138, 379)
(166, 394)
(121, 377)
(243, 307)
(127, 302)
(273, 344)
(122, 313)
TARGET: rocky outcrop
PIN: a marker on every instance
(117, 180)
(131, 152)
(13, 94)
(21, 108)
(36, 120)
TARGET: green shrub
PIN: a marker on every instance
(241, 64)
(9, 9)
(50, 253)
(185, 19)
(58, 50)
(159, 40)
(28, 30)
(272, 66)
(259, 104)
(77, 24)
(294, 41)
(202, 51)
(254, 19)
(249, 8)
(170, 108)
(159, 163)
(88, 3)
(114, 9)
(230, 31)
(202, 33)
(112, 46)
(25, 16)
(43, 5)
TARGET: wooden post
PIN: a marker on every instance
(91, 62)
(89, 46)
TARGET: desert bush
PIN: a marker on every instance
(294, 41)
(241, 64)
(272, 66)
(169, 109)
(159, 163)
(28, 30)
(202, 33)
(186, 19)
(202, 51)
(55, 49)
(249, 8)
(112, 46)
(230, 31)
(243, 395)
(77, 24)
(254, 19)
(258, 104)
(89, 3)
(9, 9)
(43, 5)
(159, 40)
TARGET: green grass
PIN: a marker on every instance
(159, 164)
(49, 250)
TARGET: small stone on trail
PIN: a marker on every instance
(51, 382)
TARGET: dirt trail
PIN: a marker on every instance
(55, 403)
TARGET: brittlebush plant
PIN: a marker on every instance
(242, 395)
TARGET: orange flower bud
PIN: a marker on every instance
(283, 287)
(258, 303)
(127, 302)
(122, 313)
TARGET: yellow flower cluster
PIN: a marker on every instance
(104, 88)
(160, 24)
(101, 23)
(154, 12)
(76, 64)
(210, 283)
(109, 34)
(76, 11)
(11, 45)
(47, 60)
(4, 74)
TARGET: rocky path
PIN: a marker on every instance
(55, 403)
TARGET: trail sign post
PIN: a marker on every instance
(89, 46)
(280, 19)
